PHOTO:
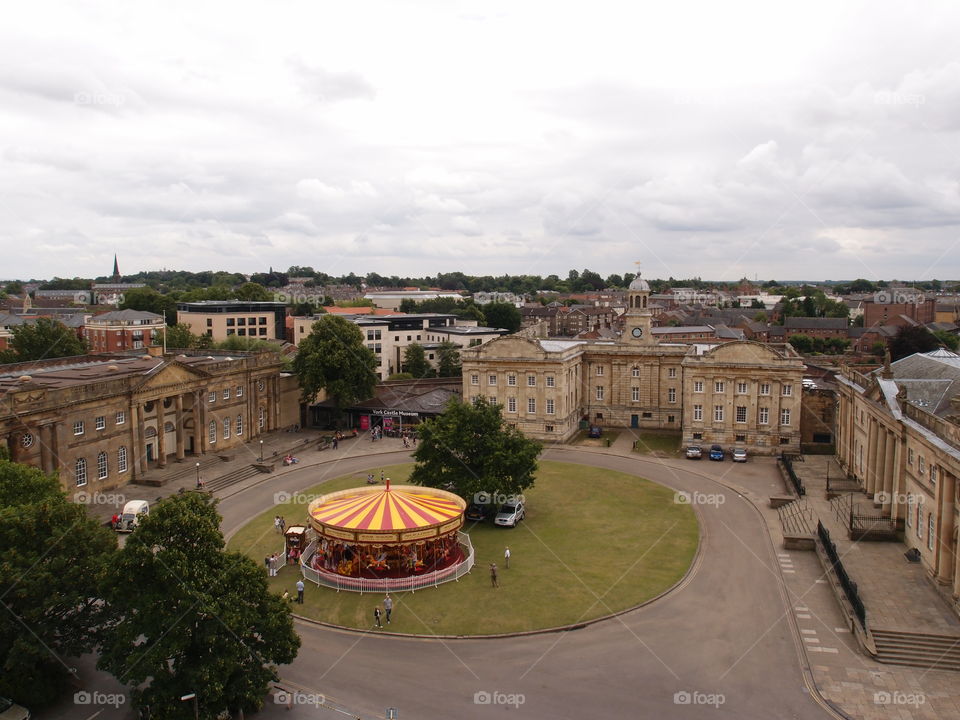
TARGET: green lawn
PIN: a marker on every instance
(608, 436)
(649, 443)
(594, 542)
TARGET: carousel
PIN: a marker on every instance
(386, 538)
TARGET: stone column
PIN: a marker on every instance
(178, 424)
(46, 447)
(140, 448)
(888, 473)
(161, 433)
(275, 404)
(873, 455)
(945, 549)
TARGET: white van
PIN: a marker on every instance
(132, 514)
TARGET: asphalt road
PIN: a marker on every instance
(719, 646)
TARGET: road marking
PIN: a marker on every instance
(809, 632)
(841, 630)
(823, 649)
(803, 616)
(821, 580)
(792, 572)
(783, 554)
(811, 639)
(801, 608)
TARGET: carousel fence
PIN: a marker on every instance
(380, 585)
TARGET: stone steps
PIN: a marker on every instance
(937, 652)
(232, 478)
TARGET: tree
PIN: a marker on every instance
(46, 338)
(14, 287)
(333, 357)
(54, 560)
(448, 360)
(803, 344)
(252, 291)
(179, 336)
(910, 340)
(948, 340)
(502, 315)
(193, 618)
(469, 447)
(149, 300)
(415, 361)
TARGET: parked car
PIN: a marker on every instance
(595, 431)
(510, 514)
(694, 452)
(716, 452)
(739, 455)
(9, 710)
(479, 512)
(133, 514)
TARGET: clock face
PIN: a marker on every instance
(637, 332)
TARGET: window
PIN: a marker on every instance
(741, 413)
(531, 405)
(672, 395)
(241, 332)
(80, 471)
(101, 466)
(492, 399)
(764, 388)
(599, 370)
(226, 393)
(511, 405)
(548, 428)
(599, 392)
(209, 322)
(921, 464)
(230, 322)
(263, 331)
(698, 436)
(121, 417)
(698, 386)
(531, 380)
(785, 416)
(635, 394)
(718, 386)
(909, 515)
(491, 380)
(122, 459)
(931, 530)
(239, 424)
(741, 438)
(636, 372)
(511, 380)
(671, 372)
(261, 418)
(101, 422)
(551, 381)
(909, 456)
(787, 390)
(919, 518)
(212, 397)
(78, 427)
(763, 416)
(226, 428)
(718, 413)
(263, 321)
(26, 440)
(933, 474)
(741, 387)
(474, 379)
(212, 432)
(670, 418)
(239, 391)
(698, 412)
(550, 406)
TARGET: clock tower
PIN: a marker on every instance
(637, 327)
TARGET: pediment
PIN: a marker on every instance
(171, 373)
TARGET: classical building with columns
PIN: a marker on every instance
(898, 435)
(100, 421)
(740, 393)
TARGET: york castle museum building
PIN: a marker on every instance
(739, 393)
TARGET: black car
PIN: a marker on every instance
(478, 512)
(595, 431)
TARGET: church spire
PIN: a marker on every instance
(116, 269)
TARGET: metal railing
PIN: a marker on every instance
(416, 582)
(796, 518)
(795, 480)
(848, 585)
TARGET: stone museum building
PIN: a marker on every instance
(739, 393)
(100, 421)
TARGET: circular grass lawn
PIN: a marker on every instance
(593, 542)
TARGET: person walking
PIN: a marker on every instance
(388, 606)
(494, 581)
(376, 616)
(300, 593)
(266, 563)
(273, 565)
(276, 523)
(336, 442)
(506, 558)
(283, 525)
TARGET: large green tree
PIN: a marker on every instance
(415, 361)
(193, 618)
(448, 360)
(469, 447)
(252, 291)
(948, 340)
(502, 315)
(149, 300)
(333, 358)
(46, 338)
(53, 562)
(910, 340)
(179, 336)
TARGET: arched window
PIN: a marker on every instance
(101, 466)
(168, 427)
(80, 470)
(212, 431)
(150, 432)
(226, 428)
(122, 459)
(239, 424)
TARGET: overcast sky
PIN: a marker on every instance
(814, 140)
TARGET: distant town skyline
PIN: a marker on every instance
(723, 141)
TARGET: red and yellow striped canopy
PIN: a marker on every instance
(386, 510)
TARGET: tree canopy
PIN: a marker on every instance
(333, 358)
(46, 338)
(448, 360)
(192, 618)
(910, 340)
(415, 361)
(502, 315)
(469, 447)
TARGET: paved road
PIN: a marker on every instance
(723, 642)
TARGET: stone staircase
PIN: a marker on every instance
(231, 478)
(156, 479)
(937, 652)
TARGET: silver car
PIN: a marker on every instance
(510, 514)
(739, 455)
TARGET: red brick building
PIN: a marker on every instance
(123, 330)
(896, 306)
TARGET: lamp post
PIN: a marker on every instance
(198, 476)
(192, 696)
(261, 451)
